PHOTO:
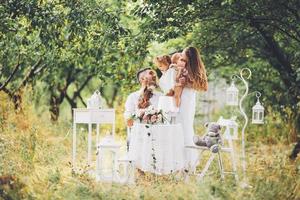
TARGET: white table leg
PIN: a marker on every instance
(74, 145)
(89, 144)
(97, 137)
(113, 130)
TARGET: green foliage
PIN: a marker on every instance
(261, 35)
(63, 44)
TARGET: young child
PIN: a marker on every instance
(166, 81)
(181, 77)
(175, 74)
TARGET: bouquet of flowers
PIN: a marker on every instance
(149, 115)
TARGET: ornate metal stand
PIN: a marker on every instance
(242, 78)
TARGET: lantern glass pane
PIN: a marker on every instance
(254, 115)
(260, 115)
(122, 170)
(107, 162)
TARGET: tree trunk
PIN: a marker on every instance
(295, 151)
(280, 61)
(282, 64)
(72, 102)
(17, 100)
(54, 108)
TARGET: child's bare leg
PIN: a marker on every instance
(177, 95)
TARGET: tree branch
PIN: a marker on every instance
(2, 86)
(82, 86)
(280, 29)
(37, 71)
(81, 99)
(274, 48)
(70, 100)
(30, 74)
(10, 94)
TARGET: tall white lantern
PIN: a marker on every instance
(107, 159)
(258, 112)
(232, 93)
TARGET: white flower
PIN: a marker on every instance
(159, 118)
(140, 112)
(152, 112)
(151, 107)
(147, 112)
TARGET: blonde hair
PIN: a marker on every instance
(175, 57)
(196, 69)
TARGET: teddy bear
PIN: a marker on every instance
(211, 138)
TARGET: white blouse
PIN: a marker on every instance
(167, 80)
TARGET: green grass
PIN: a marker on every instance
(38, 154)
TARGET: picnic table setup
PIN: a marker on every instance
(158, 146)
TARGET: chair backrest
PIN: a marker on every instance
(231, 128)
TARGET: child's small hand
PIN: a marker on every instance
(184, 72)
(182, 80)
(170, 93)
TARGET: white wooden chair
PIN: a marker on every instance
(216, 151)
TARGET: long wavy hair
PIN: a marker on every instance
(196, 69)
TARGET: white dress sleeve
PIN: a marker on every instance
(129, 106)
(167, 80)
(172, 77)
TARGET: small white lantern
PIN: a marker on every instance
(107, 157)
(126, 170)
(95, 100)
(232, 93)
(258, 112)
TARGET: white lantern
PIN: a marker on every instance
(232, 93)
(107, 157)
(258, 113)
(95, 100)
(126, 170)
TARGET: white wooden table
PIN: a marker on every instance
(91, 116)
(157, 148)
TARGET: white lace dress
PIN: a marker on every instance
(186, 112)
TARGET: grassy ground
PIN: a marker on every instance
(35, 155)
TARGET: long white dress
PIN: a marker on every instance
(186, 113)
(186, 117)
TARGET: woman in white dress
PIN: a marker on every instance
(196, 81)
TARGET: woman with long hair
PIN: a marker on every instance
(196, 81)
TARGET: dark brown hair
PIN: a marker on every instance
(196, 69)
(141, 71)
(165, 59)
